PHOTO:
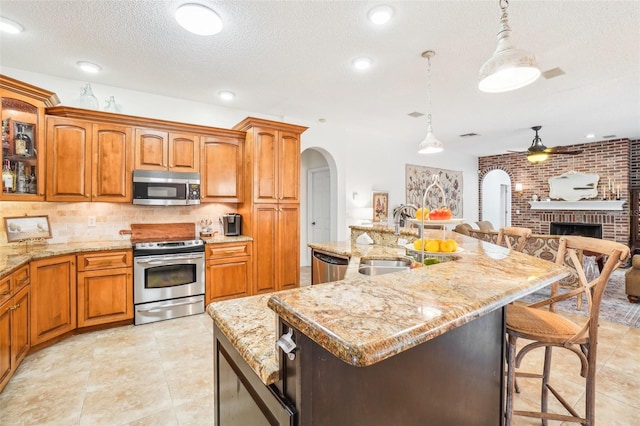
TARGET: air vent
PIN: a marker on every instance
(416, 114)
(552, 73)
(468, 135)
(609, 136)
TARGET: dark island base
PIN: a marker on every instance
(454, 379)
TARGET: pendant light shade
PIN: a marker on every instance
(430, 145)
(509, 68)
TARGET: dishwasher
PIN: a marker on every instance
(327, 267)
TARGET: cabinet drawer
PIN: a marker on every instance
(19, 279)
(225, 250)
(5, 289)
(104, 260)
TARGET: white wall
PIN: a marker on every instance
(363, 162)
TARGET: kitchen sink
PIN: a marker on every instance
(383, 266)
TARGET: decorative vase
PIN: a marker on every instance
(110, 105)
(87, 99)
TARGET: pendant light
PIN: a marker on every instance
(509, 68)
(430, 145)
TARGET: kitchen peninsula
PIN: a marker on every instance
(423, 346)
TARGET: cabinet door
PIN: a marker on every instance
(265, 166)
(221, 172)
(20, 338)
(288, 246)
(228, 278)
(112, 163)
(68, 159)
(289, 167)
(53, 297)
(22, 112)
(184, 152)
(5, 343)
(265, 255)
(151, 149)
(105, 296)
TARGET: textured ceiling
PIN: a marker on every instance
(293, 59)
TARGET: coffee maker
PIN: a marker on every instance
(232, 224)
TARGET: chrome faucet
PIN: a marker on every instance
(400, 213)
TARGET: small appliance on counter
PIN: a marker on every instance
(232, 224)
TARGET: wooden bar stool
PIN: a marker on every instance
(519, 236)
(548, 329)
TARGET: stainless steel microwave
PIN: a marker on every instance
(153, 188)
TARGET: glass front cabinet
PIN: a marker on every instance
(22, 108)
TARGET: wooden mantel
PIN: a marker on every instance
(578, 205)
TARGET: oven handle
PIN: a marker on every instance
(165, 259)
(163, 307)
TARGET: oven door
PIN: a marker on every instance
(167, 276)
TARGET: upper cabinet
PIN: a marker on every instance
(22, 108)
(161, 150)
(88, 161)
(221, 171)
(273, 159)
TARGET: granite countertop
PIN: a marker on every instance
(14, 255)
(366, 319)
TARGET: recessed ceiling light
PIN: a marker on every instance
(380, 15)
(227, 96)
(89, 67)
(198, 19)
(9, 26)
(362, 63)
(591, 136)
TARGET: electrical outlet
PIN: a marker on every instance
(91, 221)
(517, 211)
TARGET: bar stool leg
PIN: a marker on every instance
(545, 381)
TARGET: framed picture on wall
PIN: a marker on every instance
(380, 207)
(27, 228)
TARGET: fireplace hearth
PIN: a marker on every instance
(569, 228)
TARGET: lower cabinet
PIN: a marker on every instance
(105, 287)
(14, 322)
(229, 271)
(53, 285)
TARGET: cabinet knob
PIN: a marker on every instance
(86, 195)
(14, 307)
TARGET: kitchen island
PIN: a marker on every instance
(423, 346)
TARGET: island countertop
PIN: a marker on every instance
(366, 319)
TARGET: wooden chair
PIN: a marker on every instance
(519, 236)
(548, 329)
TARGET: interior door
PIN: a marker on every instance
(318, 220)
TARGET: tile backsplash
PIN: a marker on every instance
(69, 221)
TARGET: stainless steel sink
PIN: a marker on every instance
(383, 266)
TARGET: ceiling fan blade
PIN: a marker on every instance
(554, 151)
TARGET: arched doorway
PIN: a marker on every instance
(318, 200)
(496, 198)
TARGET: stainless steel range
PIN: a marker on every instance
(168, 280)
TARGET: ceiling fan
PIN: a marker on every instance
(537, 152)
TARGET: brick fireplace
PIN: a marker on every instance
(611, 160)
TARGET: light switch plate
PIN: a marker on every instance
(91, 221)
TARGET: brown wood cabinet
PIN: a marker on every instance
(22, 109)
(15, 340)
(53, 297)
(105, 287)
(221, 170)
(88, 161)
(271, 213)
(276, 245)
(161, 150)
(229, 271)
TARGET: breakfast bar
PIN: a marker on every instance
(422, 346)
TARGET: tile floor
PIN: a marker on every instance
(160, 374)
